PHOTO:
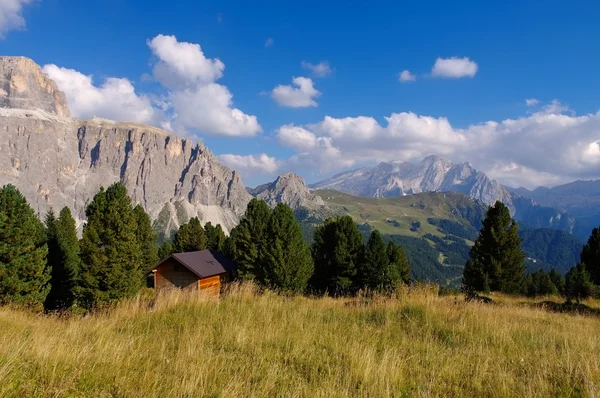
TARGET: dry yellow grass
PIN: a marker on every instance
(267, 346)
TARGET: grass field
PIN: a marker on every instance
(418, 344)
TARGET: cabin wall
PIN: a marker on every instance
(171, 275)
(212, 283)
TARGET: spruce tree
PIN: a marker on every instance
(112, 267)
(577, 283)
(337, 250)
(146, 238)
(398, 268)
(24, 274)
(246, 240)
(539, 283)
(496, 261)
(558, 280)
(372, 270)
(285, 257)
(63, 256)
(590, 256)
(190, 237)
(215, 237)
(165, 250)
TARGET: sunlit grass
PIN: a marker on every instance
(249, 344)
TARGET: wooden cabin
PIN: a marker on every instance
(199, 270)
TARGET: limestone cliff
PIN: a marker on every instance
(59, 161)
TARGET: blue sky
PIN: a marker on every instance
(512, 51)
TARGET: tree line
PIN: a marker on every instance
(497, 263)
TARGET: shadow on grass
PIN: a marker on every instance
(568, 307)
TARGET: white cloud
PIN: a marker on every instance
(532, 101)
(248, 165)
(543, 148)
(115, 99)
(454, 67)
(269, 42)
(405, 76)
(11, 15)
(301, 96)
(322, 69)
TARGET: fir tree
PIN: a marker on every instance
(286, 257)
(246, 241)
(558, 280)
(496, 261)
(165, 250)
(372, 270)
(190, 237)
(337, 251)
(398, 268)
(590, 256)
(24, 274)
(540, 284)
(146, 238)
(63, 256)
(577, 283)
(112, 267)
(215, 237)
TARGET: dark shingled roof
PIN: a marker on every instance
(203, 263)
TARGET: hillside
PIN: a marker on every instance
(268, 345)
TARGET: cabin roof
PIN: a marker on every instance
(203, 263)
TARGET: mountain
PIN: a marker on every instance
(288, 188)
(57, 161)
(432, 174)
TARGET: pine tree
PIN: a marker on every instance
(337, 251)
(398, 268)
(372, 270)
(496, 261)
(190, 237)
(63, 256)
(286, 257)
(24, 274)
(112, 267)
(539, 283)
(146, 238)
(558, 280)
(246, 241)
(577, 283)
(165, 250)
(215, 237)
(590, 256)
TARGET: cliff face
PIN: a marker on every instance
(58, 161)
(290, 189)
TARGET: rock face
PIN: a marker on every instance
(290, 189)
(432, 174)
(58, 161)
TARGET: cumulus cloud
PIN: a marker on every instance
(543, 148)
(301, 96)
(532, 101)
(249, 165)
(115, 99)
(322, 69)
(11, 15)
(269, 42)
(405, 76)
(454, 68)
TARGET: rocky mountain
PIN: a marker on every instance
(57, 161)
(433, 173)
(290, 189)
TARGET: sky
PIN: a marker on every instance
(319, 87)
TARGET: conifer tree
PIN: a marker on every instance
(24, 274)
(146, 238)
(112, 267)
(558, 280)
(165, 250)
(286, 257)
(539, 283)
(398, 268)
(63, 257)
(577, 283)
(372, 270)
(496, 261)
(246, 240)
(590, 256)
(190, 237)
(337, 250)
(215, 237)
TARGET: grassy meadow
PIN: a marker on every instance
(266, 345)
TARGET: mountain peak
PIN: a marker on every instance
(288, 188)
(23, 85)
